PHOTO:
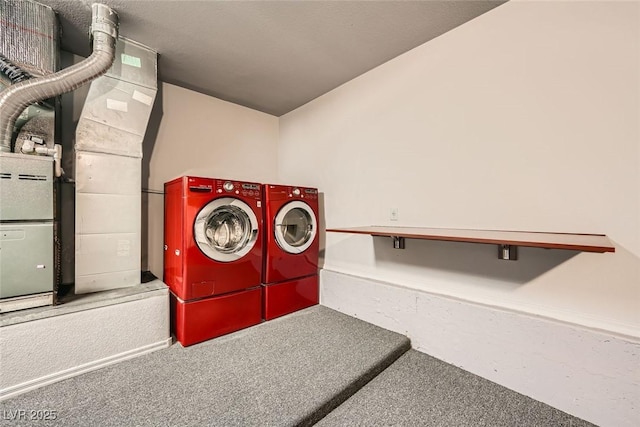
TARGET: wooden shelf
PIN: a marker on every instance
(577, 242)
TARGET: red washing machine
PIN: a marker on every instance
(290, 272)
(212, 256)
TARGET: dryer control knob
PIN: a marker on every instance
(296, 191)
(177, 252)
(228, 186)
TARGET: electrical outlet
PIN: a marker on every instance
(393, 214)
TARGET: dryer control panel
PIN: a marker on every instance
(285, 192)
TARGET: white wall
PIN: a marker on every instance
(526, 118)
(204, 136)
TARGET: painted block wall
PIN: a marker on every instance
(586, 373)
(525, 118)
(202, 136)
(46, 350)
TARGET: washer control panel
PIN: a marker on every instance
(246, 189)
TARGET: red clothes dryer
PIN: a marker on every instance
(212, 256)
(291, 250)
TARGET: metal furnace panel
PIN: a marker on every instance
(120, 104)
(104, 253)
(135, 63)
(107, 213)
(99, 138)
(26, 187)
(26, 259)
(100, 173)
(106, 281)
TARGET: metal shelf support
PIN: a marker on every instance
(398, 242)
(508, 252)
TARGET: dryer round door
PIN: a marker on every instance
(295, 227)
(226, 229)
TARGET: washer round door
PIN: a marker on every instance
(295, 227)
(226, 229)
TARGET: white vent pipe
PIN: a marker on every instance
(15, 98)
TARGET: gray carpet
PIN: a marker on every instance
(419, 390)
(290, 371)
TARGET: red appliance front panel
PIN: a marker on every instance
(280, 265)
(287, 297)
(196, 321)
(189, 273)
(173, 230)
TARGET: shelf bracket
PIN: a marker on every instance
(508, 252)
(398, 242)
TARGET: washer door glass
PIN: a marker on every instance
(295, 227)
(226, 229)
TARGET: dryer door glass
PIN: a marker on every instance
(226, 229)
(295, 227)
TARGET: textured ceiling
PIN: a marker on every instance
(272, 56)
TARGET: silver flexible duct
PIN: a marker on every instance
(15, 98)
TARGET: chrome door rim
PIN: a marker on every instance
(199, 229)
(279, 235)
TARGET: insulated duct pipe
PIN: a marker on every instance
(17, 97)
(14, 73)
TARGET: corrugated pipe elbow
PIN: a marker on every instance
(17, 97)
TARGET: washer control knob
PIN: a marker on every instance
(296, 191)
(228, 186)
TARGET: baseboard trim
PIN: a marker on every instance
(18, 389)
